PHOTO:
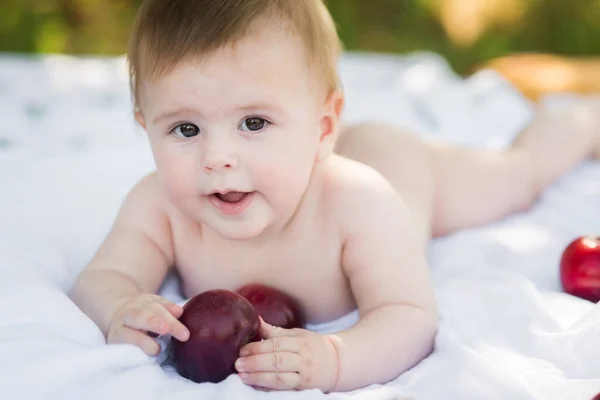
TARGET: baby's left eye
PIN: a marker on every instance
(253, 124)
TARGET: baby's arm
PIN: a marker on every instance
(385, 264)
(389, 276)
(116, 288)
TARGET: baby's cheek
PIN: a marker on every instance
(291, 177)
(178, 185)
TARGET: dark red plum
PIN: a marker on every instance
(220, 323)
(274, 306)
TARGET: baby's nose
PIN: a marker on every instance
(219, 157)
(215, 166)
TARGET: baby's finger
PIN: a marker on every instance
(146, 320)
(272, 380)
(173, 308)
(179, 331)
(137, 338)
(268, 331)
(174, 327)
(269, 362)
(275, 345)
(158, 320)
(262, 389)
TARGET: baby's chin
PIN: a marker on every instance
(237, 230)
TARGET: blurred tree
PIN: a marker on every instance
(66, 26)
(466, 32)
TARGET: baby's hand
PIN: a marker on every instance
(146, 314)
(289, 359)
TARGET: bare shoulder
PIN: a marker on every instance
(146, 189)
(145, 206)
(358, 192)
(143, 200)
(145, 211)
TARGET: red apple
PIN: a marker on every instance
(220, 323)
(274, 306)
(596, 397)
(580, 268)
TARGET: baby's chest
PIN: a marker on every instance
(309, 271)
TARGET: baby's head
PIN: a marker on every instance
(237, 96)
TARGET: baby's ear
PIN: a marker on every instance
(330, 124)
(139, 117)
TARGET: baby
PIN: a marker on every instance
(255, 182)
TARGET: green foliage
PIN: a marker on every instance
(102, 26)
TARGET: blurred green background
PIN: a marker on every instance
(466, 32)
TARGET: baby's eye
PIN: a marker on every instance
(185, 131)
(253, 124)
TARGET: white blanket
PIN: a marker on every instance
(69, 151)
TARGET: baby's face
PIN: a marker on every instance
(235, 137)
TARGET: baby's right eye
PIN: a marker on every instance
(185, 131)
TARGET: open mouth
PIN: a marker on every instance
(231, 203)
(231, 197)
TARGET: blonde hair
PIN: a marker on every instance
(168, 32)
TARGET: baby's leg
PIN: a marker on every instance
(445, 188)
(448, 188)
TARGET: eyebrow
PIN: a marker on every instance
(171, 114)
(246, 108)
